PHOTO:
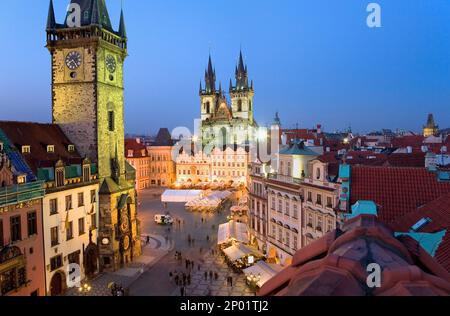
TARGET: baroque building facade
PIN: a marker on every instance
(88, 104)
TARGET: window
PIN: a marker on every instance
(93, 221)
(2, 241)
(13, 279)
(318, 173)
(54, 236)
(81, 230)
(319, 199)
(50, 148)
(280, 234)
(93, 196)
(239, 106)
(80, 199)
(281, 167)
(288, 238)
(111, 122)
(71, 148)
(329, 202)
(69, 231)
(32, 224)
(310, 220)
(280, 205)
(329, 225)
(53, 206)
(86, 173)
(289, 169)
(295, 246)
(295, 211)
(21, 179)
(26, 149)
(68, 202)
(273, 203)
(16, 234)
(287, 211)
(319, 224)
(309, 196)
(74, 257)
(60, 177)
(56, 263)
(274, 231)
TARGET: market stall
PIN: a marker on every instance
(232, 232)
(258, 274)
(240, 256)
(180, 196)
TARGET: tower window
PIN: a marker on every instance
(250, 105)
(50, 148)
(111, 123)
(208, 107)
(239, 106)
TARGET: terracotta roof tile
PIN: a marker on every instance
(397, 191)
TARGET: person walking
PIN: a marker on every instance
(210, 275)
(216, 275)
(206, 275)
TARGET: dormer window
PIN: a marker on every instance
(21, 179)
(26, 149)
(130, 153)
(50, 148)
(71, 148)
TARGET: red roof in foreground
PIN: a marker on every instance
(336, 265)
(439, 213)
(396, 191)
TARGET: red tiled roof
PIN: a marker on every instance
(439, 213)
(397, 191)
(139, 150)
(406, 160)
(411, 140)
(38, 136)
(336, 265)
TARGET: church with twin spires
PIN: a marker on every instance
(224, 124)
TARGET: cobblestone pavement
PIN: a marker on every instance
(211, 287)
(151, 254)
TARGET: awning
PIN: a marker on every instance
(262, 272)
(180, 196)
(232, 231)
(240, 251)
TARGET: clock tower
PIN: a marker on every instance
(88, 104)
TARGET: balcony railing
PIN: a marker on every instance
(21, 193)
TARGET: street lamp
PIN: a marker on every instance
(85, 289)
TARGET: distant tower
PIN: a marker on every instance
(209, 95)
(242, 93)
(431, 128)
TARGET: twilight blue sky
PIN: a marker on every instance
(315, 61)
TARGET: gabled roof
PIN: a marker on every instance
(336, 265)
(438, 211)
(38, 136)
(396, 191)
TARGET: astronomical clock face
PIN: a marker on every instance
(124, 224)
(126, 242)
(73, 60)
(111, 63)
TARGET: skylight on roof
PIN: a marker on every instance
(420, 224)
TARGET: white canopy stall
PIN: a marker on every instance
(262, 272)
(232, 231)
(180, 196)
